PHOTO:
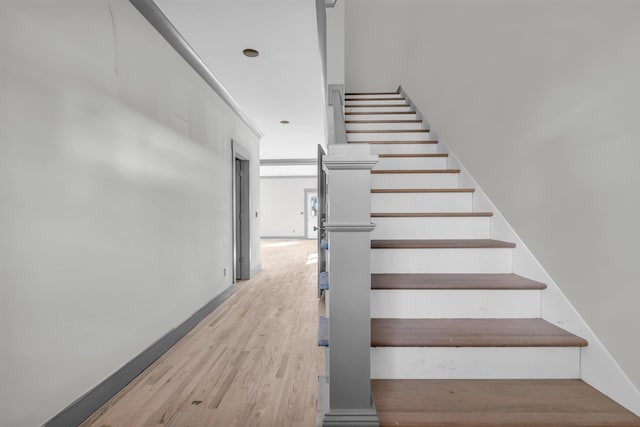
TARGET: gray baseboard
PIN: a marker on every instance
(91, 401)
(364, 417)
(255, 270)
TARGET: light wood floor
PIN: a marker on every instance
(254, 361)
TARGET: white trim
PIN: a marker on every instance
(475, 362)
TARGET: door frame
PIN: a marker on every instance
(242, 248)
(307, 209)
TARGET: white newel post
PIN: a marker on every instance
(349, 226)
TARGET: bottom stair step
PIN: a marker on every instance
(495, 403)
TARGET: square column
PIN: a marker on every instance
(349, 400)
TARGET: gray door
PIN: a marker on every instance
(242, 219)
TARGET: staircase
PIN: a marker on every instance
(456, 337)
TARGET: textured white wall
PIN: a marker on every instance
(540, 101)
(335, 43)
(115, 201)
(282, 203)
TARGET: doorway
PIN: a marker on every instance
(311, 213)
(241, 214)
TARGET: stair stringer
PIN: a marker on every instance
(598, 367)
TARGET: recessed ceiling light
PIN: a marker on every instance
(284, 122)
(251, 53)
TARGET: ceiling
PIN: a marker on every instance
(283, 83)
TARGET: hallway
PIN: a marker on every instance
(253, 361)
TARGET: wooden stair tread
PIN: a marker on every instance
(393, 142)
(470, 333)
(396, 171)
(355, 113)
(490, 281)
(375, 99)
(430, 214)
(499, 403)
(441, 244)
(381, 121)
(423, 190)
(375, 105)
(413, 155)
(387, 130)
(371, 93)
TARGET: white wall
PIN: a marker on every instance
(335, 43)
(540, 101)
(115, 201)
(282, 202)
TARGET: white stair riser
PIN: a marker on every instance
(404, 148)
(390, 136)
(368, 96)
(377, 109)
(468, 260)
(431, 228)
(415, 180)
(391, 101)
(384, 126)
(421, 202)
(406, 116)
(404, 163)
(475, 362)
(454, 303)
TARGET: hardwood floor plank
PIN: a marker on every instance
(254, 361)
